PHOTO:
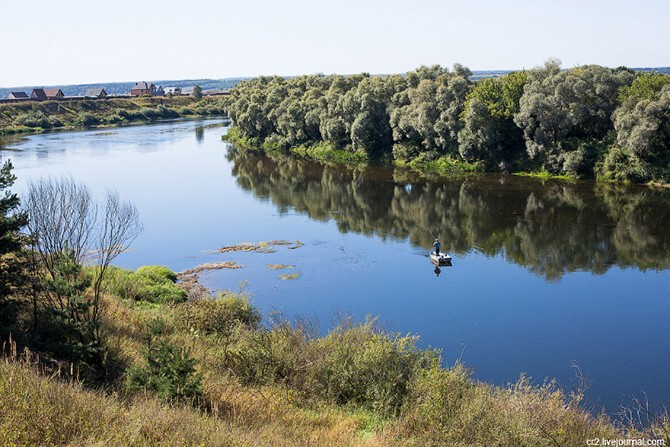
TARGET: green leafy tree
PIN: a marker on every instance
(561, 108)
(197, 92)
(489, 133)
(642, 149)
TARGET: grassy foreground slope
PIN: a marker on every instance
(277, 385)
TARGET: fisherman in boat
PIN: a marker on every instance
(436, 245)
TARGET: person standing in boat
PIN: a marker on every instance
(436, 246)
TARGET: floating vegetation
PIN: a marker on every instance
(289, 276)
(298, 244)
(280, 266)
(245, 246)
(261, 247)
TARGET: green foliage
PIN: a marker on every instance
(558, 107)
(644, 86)
(197, 92)
(220, 315)
(547, 119)
(12, 241)
(355, 364)
(489, 133)
(36, 118)
(154, 284)
(169, 371)
(13, 262)
(69, 325)
(642, 149)
(87, 119)
(444, 165)
(361, 365)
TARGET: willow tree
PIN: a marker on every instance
(565, 114)
(641, 151)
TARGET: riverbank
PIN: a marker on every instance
(440, 166)
(325, 152)
(22, 118)
(279, 385)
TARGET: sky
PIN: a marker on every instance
(57, 42)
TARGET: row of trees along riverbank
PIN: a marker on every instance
(583, 122)
(31, 117)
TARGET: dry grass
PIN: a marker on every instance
(443, 407)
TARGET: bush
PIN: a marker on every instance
(220, 315)
(185, 111)
(157, 274)
(155, 284)
(356, 364)
(622, 165)
(405, 152)
(169, 372)
(365, 366)
(87, 119)
(34, 118)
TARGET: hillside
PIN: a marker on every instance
(25, 117)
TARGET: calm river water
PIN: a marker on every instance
(547, 275)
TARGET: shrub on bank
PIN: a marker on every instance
(220, 315)
(155, 284)
(36, 118)
(168, 372)
(354, 365)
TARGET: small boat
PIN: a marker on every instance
(441, 259)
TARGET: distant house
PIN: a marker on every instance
(159, 91)
(143, 88)
(187, 91)
(39, 94)
(176, 91)
(96, 93)
(17, 95)
(54, 93)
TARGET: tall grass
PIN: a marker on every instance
(281, 384)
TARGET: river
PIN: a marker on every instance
(553, 279)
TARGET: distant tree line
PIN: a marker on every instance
(585, 121)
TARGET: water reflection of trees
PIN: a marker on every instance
(550, 227)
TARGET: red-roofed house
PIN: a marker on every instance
(143, 88)
(54, 93)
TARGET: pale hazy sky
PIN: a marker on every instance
(45, 42)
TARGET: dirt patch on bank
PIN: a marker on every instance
(190, 282)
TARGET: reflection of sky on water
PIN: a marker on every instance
(496, 313)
